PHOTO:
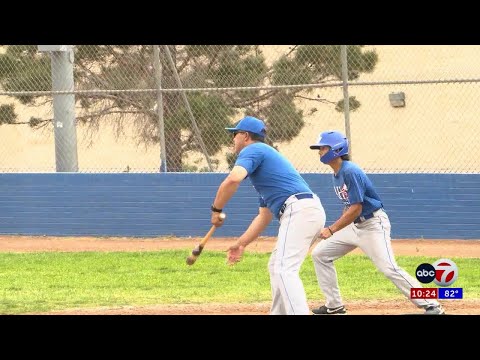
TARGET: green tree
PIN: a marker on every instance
(127, 67)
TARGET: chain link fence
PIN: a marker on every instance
(411, 109)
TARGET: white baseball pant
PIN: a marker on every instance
(373, 237)
(299, 224)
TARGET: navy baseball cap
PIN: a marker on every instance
(250, 124)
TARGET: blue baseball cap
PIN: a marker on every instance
(250, 124)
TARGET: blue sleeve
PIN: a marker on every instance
(356, 187)
(249, 158)
(261, 202)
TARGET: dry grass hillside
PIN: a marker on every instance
(434, 132)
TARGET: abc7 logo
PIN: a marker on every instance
(442, 272)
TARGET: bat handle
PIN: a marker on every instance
(209, 234)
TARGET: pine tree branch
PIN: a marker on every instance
(325, 101)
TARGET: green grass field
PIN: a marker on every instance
(41, 282)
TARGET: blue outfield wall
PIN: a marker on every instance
(433, 206)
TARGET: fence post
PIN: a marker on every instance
(161, 125)
(64, 121)
(346, 99)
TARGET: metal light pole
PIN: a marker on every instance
(63, 107)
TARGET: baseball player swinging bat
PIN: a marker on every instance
(198, 249)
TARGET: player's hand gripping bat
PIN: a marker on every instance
(198, 249)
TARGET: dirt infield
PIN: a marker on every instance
(412, 247)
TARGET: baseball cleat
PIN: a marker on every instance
(435, 310)
(323, 310)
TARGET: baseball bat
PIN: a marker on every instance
(198, 249)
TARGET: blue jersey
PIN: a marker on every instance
(353, 186)
(271, 174)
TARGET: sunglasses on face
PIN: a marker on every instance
(238, 132)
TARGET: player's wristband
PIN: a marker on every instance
(214, 209)
(331, 232)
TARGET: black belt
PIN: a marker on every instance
(361, 219)
(299, 197)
